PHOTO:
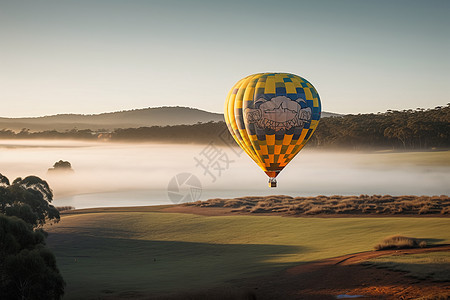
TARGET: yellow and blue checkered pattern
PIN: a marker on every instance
(272, 151)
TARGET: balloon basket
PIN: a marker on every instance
(272, 182)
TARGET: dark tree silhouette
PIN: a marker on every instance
(29, 199)
(4, 180)
(27, 268)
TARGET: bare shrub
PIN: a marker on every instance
(280, 209)
(368, 208)
(234, 203)
(347, 210)
(387, 210)
(318, 209)
(399, 242)
(278, 198)
(314, 210)
(240, 209)
(424, 210)
(408, 197)
(214, 202)
(398, 210)
(260, 208)
(342, 205)
(445, 210)
(363, 204)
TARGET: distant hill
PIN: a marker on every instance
(146, 117)
(158, 116)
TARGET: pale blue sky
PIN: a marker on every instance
(97, 56)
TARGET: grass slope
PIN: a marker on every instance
(113, 252)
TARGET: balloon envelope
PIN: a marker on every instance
(272, 116)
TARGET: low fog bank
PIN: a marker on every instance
(139, 174)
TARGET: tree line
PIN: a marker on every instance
(407, 129)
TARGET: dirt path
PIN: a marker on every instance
(346, 275)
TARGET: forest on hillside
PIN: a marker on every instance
(407, 129)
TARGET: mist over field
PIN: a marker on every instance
(115, 174)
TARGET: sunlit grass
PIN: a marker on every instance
(157, 252)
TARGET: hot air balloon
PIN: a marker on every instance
(272, 116)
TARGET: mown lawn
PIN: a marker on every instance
(114, 252)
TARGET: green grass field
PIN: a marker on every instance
(115, 251)
(435, 265)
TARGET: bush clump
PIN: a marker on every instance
(400, 242)
(61, 165)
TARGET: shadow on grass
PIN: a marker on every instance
(102, 266)
(434, 266)
(431, 242)
(433, 271)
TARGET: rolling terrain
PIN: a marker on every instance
(142, 251)
(146, 117)
(158, 116)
